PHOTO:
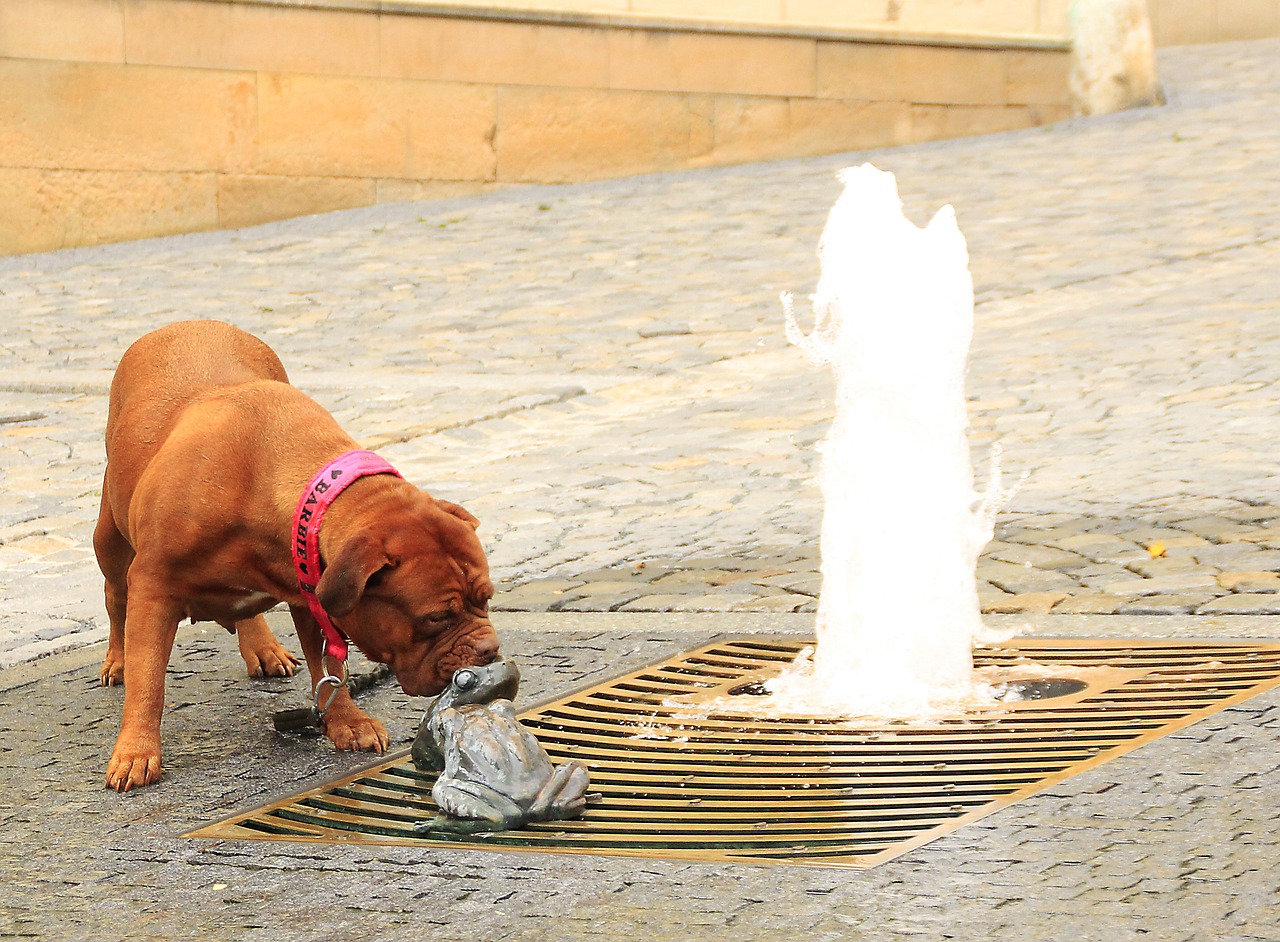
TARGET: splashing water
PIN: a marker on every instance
(902, 525)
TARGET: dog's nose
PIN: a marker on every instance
(486, 648)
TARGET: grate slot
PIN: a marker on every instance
(607, 717)
(424, 805)
(873, 760)
(787, 791)
(838, 761)
(258, 828)
(722, 740)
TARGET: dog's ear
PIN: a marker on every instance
(360, 562)
(460, 512)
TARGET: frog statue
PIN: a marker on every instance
(493, 774)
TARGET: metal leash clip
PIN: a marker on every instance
(311, 719)
(331, 680)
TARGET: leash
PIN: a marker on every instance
(306, 720)
(323, 489)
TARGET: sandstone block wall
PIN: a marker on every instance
(970, 17)
(1182, 22)
(128, 118)
(1175, 22)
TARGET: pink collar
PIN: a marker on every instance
(329, 482)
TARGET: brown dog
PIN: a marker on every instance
(208, 450)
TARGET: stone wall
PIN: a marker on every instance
(969, 17)
(128, 118)
(1175, 22)
(1181, 22)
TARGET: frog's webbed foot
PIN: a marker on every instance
(478, 802)
(447, 824)
(564, 795)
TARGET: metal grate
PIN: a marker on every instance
(798, 790)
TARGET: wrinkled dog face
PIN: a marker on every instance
(415, 595)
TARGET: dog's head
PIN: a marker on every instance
(412, 591)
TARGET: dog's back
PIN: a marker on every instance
(164, 370)
(160, 374)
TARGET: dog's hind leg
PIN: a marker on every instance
(264, 656)
(114, 557)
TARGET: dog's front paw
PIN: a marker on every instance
(133, 765)
(356, 731)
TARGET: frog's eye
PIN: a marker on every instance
(465, 679)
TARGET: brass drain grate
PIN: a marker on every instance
(794, 789)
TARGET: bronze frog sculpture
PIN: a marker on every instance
(494, 775)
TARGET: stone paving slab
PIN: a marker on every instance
(1175, 841)
(600, 373)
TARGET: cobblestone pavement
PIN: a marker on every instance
(1166, 563)
(600, 373)
(1175, 842)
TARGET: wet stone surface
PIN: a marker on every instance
(1172, 842)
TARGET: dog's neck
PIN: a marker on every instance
(383, 495)
(324, 489)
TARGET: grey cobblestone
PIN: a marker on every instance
(1169, 604)
(1093, 577)
(1243, 604)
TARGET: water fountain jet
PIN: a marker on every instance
(903, 525)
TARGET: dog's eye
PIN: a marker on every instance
(438, 619)
(465, 680)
